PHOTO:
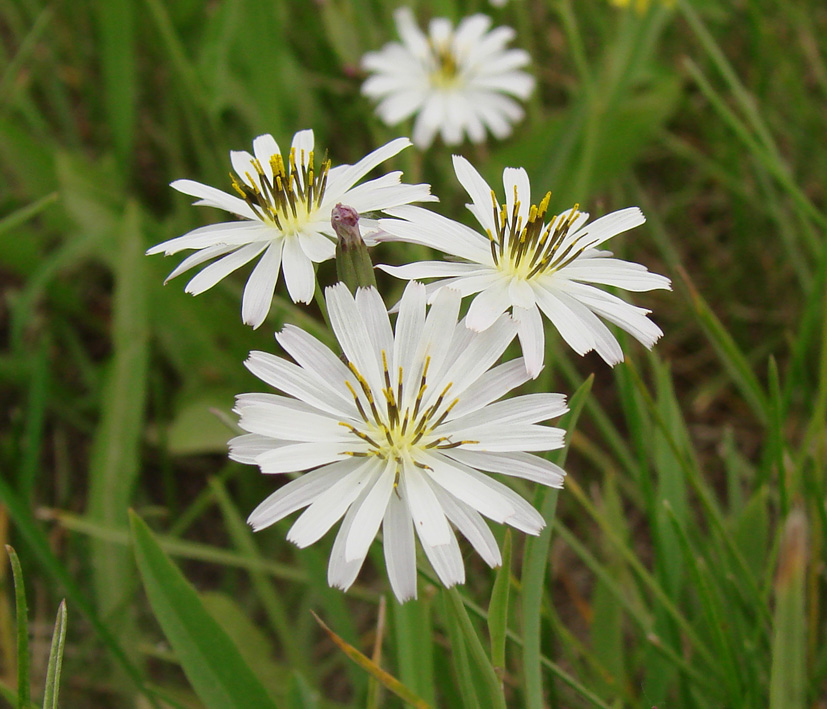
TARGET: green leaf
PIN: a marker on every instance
(22, 613)
(789, 644)
(210, 660)
(52, 688)
(498, 608)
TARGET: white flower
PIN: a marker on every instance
(531, 266)
(397, 435)
(285, 203)
(458, 81)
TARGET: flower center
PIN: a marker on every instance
(446, 73)
(528, 250)
(403, 426)
(293, 194)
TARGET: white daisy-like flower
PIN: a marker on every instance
(284, 202)
(458, 81)
(401, 434)
(530, 266)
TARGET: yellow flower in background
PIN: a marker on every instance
(641, 6)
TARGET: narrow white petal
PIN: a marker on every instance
(353, 334)
(341, 573)
(472, 526)
(429, 269)
(212, 197)
(488, 306)
(199, 257)
(258, 293)
(224, 234)
(298, 271)
(329, 507)
(517, 464)
(446, 559)
(479, 192)
(290, 423)
(246, 448)
(265, 147)
(242, 163)
(604, 342)
(532, 338)
(409, 325)
(297, 382)
(317, 361)
(356, 172)
(429, 519)
(501, 439)
(316, 247)
(369, 515)
(400, 549)
(484, 498)
(517, 190)
(614, 272)
(301, 456)
(375, 314)
(299, 493)
(568, 324)
(529, 408)
(490, 386)
(213, 273)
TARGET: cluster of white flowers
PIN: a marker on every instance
(403, 430)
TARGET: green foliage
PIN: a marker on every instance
(681, 563)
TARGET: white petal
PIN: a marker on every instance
(429, 269)
(354, 173)
(329, 507)
(375, 314)
(264, 148)
(316, 247)
(478, 190)
(368, 516)
(299, 493)
(298, 271)
(428, 517)
(400, 549)
(258, 293)
(317, 361)
(224, 234)
(490, 386)
(301, 456)
(213, 273)
(291, 423)
(484, 498)
(341, 573)
(517, 189)
(246, 448)
(614, 272)
(446, 560)
(409, 325)
(353, 334)
(488, 306)
(501, 439)
(472, 526)
(517, 464)
(199, 257)
(212, 197)
(297, 382)
(242, 163)
(532, 338)
(529, 408)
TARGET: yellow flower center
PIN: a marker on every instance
(407, 427)
(446, 73)
(291, 197)
(526, 250)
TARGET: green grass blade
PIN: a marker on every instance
(492, 689)
(413, 626)
(208, 657)
(22, 215)
(534, 565)
(35, 537)
(498, 608)
(116, 27)
(789, 645)
(22, 614)
(466, 680)
(55, 660)
(116, 450)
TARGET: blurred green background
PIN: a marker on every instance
(685, 563)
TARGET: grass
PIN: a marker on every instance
(683, 563)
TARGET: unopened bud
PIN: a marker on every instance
(353, 264)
